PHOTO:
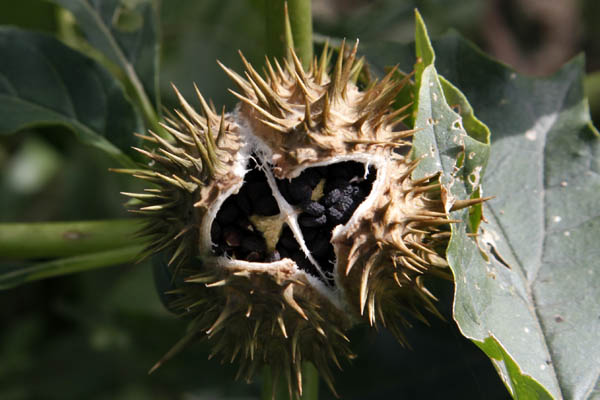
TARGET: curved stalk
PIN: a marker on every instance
(296, 30)
(300, 19)
(310, 384)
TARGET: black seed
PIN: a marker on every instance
(351, 191)
(312, 222)
(283, 252)
(254, 256)
(245, 224)
(274, 256)
(228, 212)
(345, 188)
(321, 171)
(334, 215)
(360, 195)
(266, 205)
(320, 247)
(253, 244)
(284, 188)
(257, 190)
(313, 208)
(335, 183)
(297, 255)
(232, 236)
(344, 204)
(300, 192)
(358, 169)
(310, 233)
(243, 202)
(332, 197)
(340, 170)
(287, 239)
(309, 176)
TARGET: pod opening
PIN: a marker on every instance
(251, 226)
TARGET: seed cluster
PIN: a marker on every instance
(324, 197)
(232, 232)
(343, 187)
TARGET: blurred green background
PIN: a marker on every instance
(95, 335)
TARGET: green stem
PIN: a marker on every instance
(300, 16)
(310, 384)
(69, 265)
(150, 115)
(63, 239)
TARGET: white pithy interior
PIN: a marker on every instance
(290, 213)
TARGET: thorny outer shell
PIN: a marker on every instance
(290, 120)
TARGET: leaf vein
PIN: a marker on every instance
(529, 291)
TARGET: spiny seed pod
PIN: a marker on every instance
(291, 218)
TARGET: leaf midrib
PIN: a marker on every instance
(530, 298)
(106, 33)
(127, 66)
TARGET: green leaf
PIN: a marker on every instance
(531, 303)
(425, 54)
(544, 171)
(12, 277)
(441, 140)
(523, 386)
(43, 82)
(126, 31)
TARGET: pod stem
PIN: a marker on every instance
(296, 30)
(310, 384)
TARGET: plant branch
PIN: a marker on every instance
(69, 265)
(63, 239)
(300, 18)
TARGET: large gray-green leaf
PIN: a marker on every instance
(539, 320)
(43, 82)
(545, 221)
(442, 142)
(126, 31)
